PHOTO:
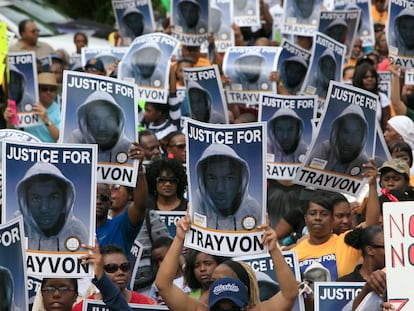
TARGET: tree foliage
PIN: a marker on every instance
(97, 10)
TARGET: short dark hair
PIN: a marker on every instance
(401, 146)
(322, 198)
(111, 249)
(80, 33)
(72, 280)
(22, 25)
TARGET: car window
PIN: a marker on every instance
(44, 13)
(16, 16)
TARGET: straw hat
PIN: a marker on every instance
(47, 78)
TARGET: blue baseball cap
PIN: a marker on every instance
(228, 289)
(96, 64)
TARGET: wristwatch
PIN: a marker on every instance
(48, 123)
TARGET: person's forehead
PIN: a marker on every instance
(316, 207)
(58, 282)
(149, 140)
(342, 207)
(30, 25)
(178, 139)
(101, 188)
(114, 258)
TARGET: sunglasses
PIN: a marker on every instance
(103, 197)
(163, 180)
(47, 88)
(50, 290)
(179, 146)
(113, 267)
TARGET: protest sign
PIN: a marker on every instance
(227, 189)
(365, 27)
(205, 94)
(301, 17)
(23, 87)
(341, 26)
(245, 13)
(13, 276)
(103, 111)
(134, 18)
(220, 24)
(398, 237)
(98, 305)
(147, 62)
(43, 182)
(289, 132)
(345, 140)
(292, 66)
(265, 274)
(400, 36)
(108, 56)
(335, 295)
(325, 65)
(190, 20)
(3, 50)
(134, 257)
(248, 69)
(170, 219)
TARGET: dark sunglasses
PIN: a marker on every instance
(103, 197)
(113, 267)
(47, 88)
(163, 180)
(62, 290)
(179, 146)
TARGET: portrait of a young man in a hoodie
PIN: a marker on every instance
(17, 90)
(101, 121)
(223, 190)
(285, 130)
(345, 149)
(46, 201)
(133, 22)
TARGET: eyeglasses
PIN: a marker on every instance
(50, 290)
(179, 146)
(113, 267)
(43, 88)
(35, 31)
(232, 308)
(163, 180)
(377, 246)
(115, 187)
(103, 197)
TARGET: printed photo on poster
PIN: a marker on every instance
(53, 187)
(134, 18)
(205, 94)
(13, 276)
(103, 111)
(225, 194)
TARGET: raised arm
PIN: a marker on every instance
(174, 297)
(285, 298)
(137, 209)
(111, 294)
(399, 107)
(373, 205)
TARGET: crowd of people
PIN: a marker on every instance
(314, 223)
